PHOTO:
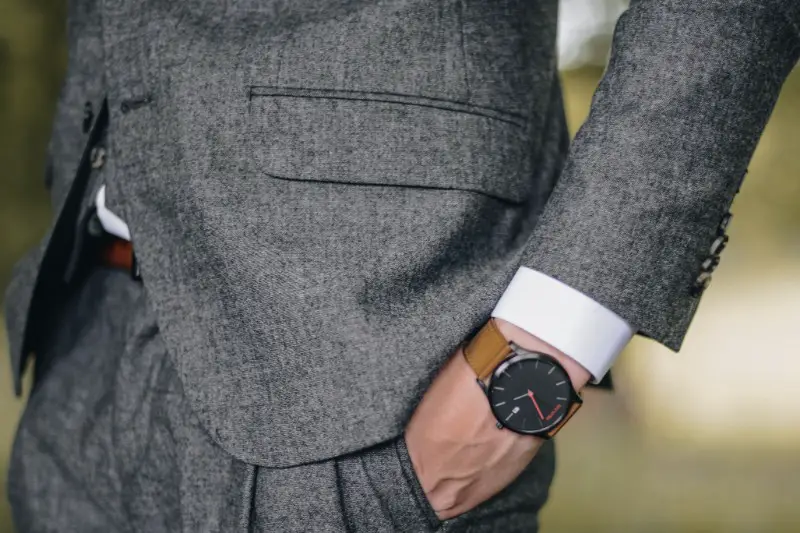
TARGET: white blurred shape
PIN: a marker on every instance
(584, 30)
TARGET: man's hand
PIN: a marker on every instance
(459, 455)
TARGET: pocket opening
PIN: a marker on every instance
(388, 139)
(267, 91)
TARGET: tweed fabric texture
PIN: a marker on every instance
(327, 197)
(651, 173)
(109, 443)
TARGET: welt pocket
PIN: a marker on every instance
(388, 139)
(264, 91)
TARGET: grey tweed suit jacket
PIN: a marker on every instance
(327, 197)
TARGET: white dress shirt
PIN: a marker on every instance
(566, 319)
(110, 222)
(559, 315)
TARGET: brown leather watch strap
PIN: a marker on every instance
(487, 349)
(572, 410)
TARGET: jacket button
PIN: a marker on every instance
(88, 116)
(126, 106)
(724, 223)
(98, 157)
(710, 264)
(719, 245)
(701, 283)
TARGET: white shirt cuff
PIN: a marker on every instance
(566, 319)
(110, 222)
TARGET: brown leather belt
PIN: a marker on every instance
(118, 253)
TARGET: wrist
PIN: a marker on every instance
(578, 375)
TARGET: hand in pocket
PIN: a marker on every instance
(459, 455)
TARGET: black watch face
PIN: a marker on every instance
(529, 395)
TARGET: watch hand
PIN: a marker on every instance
(530, 394)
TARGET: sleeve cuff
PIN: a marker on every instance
(566, 319)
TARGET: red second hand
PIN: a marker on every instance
(530, 395)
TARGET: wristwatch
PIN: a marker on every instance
(529, 392)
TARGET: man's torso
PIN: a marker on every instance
(324, 199)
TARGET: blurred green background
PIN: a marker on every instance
(703, 441)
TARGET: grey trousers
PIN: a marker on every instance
(108, 442)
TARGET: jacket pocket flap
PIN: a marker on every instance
(388, 139)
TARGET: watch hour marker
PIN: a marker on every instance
(536, 365)
(499, 404)
(560, 382)
(551, 370)
(562, 399)
(498, 388)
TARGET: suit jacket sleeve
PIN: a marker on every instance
(673, 125)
